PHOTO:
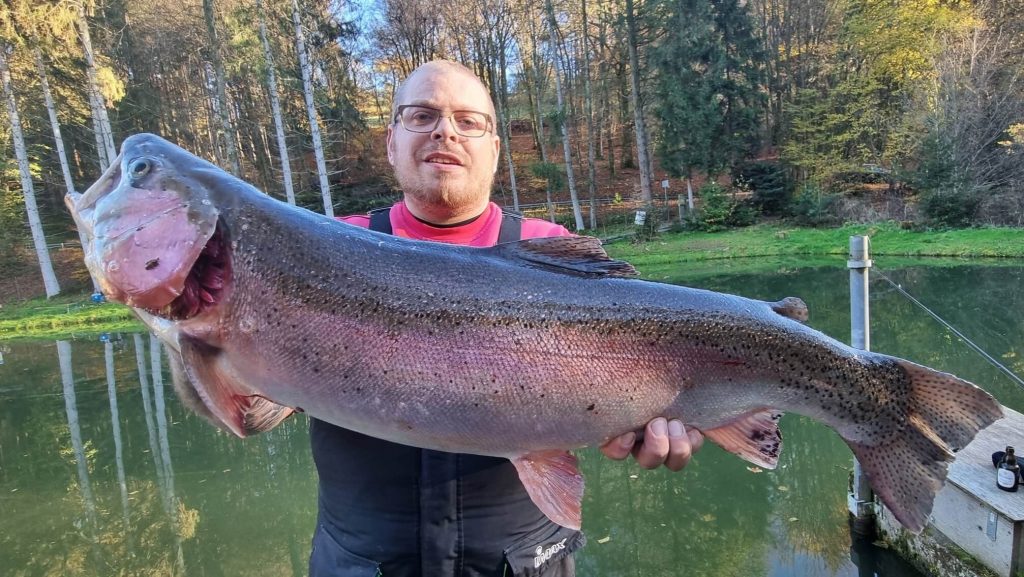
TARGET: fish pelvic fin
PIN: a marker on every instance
(908, 469)
(754, 437)
(208, 384)
(554, 484)
(573, 255)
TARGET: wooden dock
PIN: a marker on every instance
(971, 513)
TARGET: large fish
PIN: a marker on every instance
(524, 350)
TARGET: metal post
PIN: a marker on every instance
(861, 499)
(679, 205)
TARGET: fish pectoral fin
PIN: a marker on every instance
(554, 484)
(228, 403)
(754, 437)
(791, 307)
(574, 255)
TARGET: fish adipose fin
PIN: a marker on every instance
(908, 469)
(554, 484)
(575, 255)
(791, 307)
(205, 382)
(754, 437)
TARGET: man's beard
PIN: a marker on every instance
(453, 194)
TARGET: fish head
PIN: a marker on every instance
(147, 223)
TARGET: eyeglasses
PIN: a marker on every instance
(424, 119)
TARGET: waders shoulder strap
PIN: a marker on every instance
(511, 224)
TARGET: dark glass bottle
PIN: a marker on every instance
(1008, 471)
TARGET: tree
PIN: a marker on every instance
(564, 122)
(314, 122)
(35, 225)
(708, 86)
(642, 148)
(275, 106)
(219, 97)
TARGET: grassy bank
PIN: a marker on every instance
(694, 254)
(63, 316)
(819, 245)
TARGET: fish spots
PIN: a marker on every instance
(590, 407)
(152, 263)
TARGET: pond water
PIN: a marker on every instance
(103, 472)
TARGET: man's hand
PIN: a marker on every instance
(664, 443)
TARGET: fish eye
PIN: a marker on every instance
(139, 168)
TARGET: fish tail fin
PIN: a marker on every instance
(907, 469)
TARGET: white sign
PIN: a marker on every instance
(641, 217)
(664, 184)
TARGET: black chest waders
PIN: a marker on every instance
(390, 510)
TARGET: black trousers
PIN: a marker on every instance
(391, 510)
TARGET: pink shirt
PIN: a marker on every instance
(483, 231)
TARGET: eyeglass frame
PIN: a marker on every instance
(440, 115)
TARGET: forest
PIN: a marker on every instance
(820, 111)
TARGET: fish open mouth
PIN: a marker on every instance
(206, 283)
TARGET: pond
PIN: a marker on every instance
(103, 472)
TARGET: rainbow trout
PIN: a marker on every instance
(524, 350)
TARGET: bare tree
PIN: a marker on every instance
(314, 121)
(34, 223)
(275, 106)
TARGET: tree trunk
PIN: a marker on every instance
(643, 162)
(219, 95)
(105, 148)
(58, 139)
(565, 125)
(589, 111)
(275, 107)
(540, 119)
(314, 123)
(500, 101)
(36, 226)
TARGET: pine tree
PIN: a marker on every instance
(708, 86)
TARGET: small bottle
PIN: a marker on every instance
(1007, 472)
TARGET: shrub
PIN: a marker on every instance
(812, 206)
(950, 209)
(720, 210)
(768, 182)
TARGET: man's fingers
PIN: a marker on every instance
(696, 440)
(679, 446)
(619, 447)
(652, 453)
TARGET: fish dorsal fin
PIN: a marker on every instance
(209, 379)
(575, 255)
(554, 484)
(791, 307)
(754, 437)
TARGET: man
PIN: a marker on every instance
(398, 511)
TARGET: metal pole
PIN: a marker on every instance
(861, 499)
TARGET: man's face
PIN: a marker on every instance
(443, 171)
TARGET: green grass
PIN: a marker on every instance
(63, 316)
(887, 239)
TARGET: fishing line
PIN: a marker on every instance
(953, 329)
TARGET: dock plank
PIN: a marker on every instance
(973, 472)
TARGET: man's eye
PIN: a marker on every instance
(469, 122)
(423, 117)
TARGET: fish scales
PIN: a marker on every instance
(520, 351)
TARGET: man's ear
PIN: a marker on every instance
(497, 153)
(391, 144)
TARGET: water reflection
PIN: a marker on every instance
(93, 484)
(77, 446)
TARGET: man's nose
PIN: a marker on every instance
(444, 130)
